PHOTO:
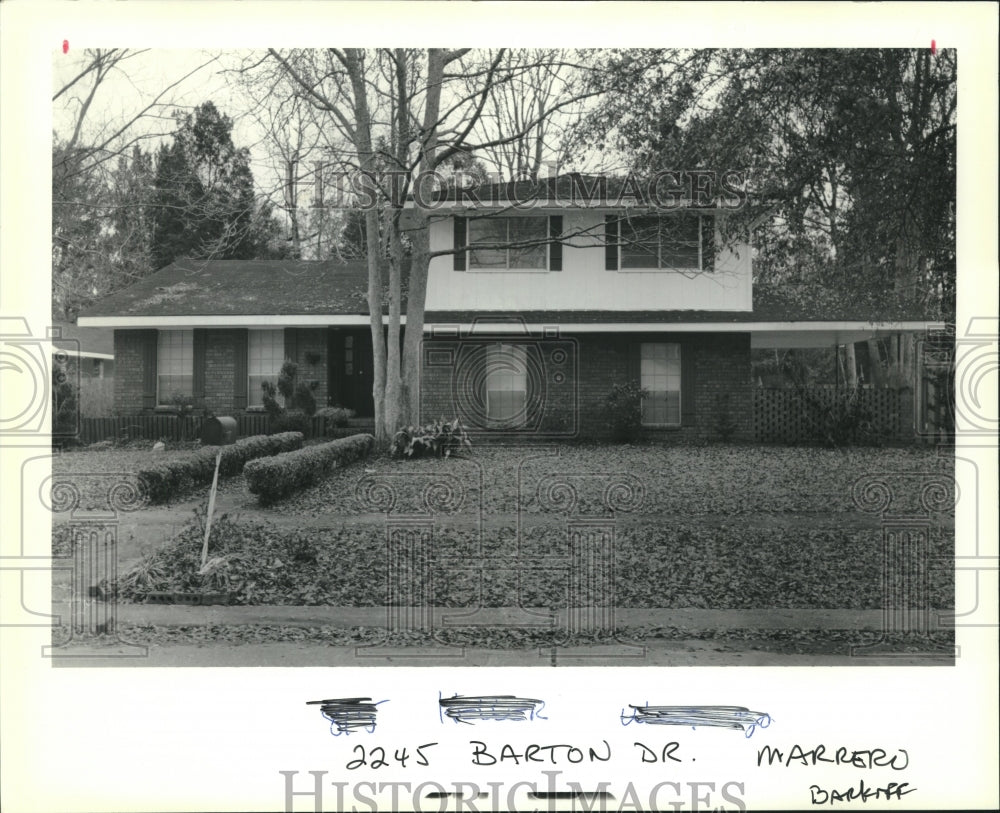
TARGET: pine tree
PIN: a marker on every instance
(204, 194)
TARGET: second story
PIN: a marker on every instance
(561, 255)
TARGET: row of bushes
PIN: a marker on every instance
(275, 477)
(168, 478)
(335, 420)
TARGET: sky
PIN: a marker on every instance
(200, 75)
(210, 75)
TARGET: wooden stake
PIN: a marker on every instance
(211, 508)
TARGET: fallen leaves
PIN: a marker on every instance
(707, 527)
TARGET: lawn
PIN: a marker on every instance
(724, 527)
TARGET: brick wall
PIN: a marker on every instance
(453, 377)
(604, 362)
(572, 376)
(128, 372)
(723, 383)
(220, 367)
(220, 371)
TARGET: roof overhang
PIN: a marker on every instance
(829, 334)
(228, 320)
(763, 335)
(83, 354)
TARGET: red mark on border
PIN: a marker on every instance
(933, 47)
(66, 46)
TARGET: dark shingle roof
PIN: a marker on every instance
(288, 287)
(84, 339)
(242, 287)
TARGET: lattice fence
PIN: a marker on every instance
(809, 416)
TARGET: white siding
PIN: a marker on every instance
(583, 284)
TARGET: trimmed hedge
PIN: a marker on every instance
(275, 477)
(172, 476)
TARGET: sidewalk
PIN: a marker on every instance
(745, 648)
(691, 619)
(661, 653)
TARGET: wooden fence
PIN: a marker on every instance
(176, 428)
(811, 415)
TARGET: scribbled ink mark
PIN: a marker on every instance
(348, 714)
(469, 710)
(65, 46)
(594, 796)
(735, 717)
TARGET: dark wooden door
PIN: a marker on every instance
(350, 370)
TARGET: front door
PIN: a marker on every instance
(350, 370)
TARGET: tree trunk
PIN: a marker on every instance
(420, 245)
(894, 370)
(875, 363)
(394, 398)
(851, 365)
(908, 359)
(296, 235)
(366, 157)
(414, 336)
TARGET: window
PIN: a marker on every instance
(265, 355)
(348, 355)
(506, 385)
(660, 371)
(679, 242)
(499, 233)
(174, 365)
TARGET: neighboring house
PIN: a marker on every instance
(90, 349)
(526, 329)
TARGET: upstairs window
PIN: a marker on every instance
(265, 355)
(673, 242)
(493, 243)
(174, 365)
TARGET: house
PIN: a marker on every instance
(90, 349)
(533, 312)
(87, 357)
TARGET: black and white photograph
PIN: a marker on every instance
(659, 370)
(588, 367)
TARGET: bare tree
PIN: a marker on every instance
(296, 148)
(539, 80)
(406, 114)
(100, 173)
